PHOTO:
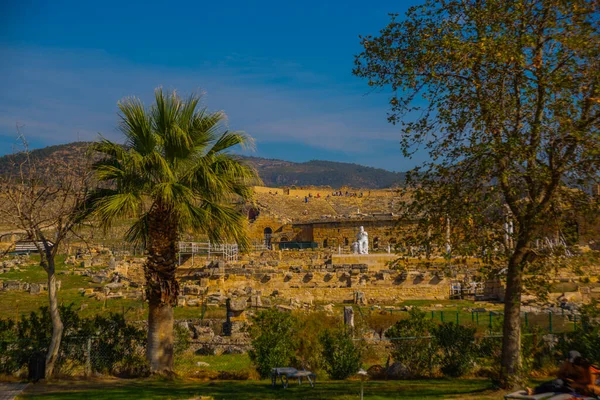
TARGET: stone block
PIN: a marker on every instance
(35, 288)
(238, 304)
(13, 285)
(192, 290)
(99, 278)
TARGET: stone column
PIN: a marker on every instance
(349, 317)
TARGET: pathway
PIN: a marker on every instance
(10, 390)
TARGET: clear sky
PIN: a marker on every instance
(281, 70)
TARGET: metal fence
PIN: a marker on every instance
(491, 321)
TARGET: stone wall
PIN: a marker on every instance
(327, 284)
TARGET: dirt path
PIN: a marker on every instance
(10, 390)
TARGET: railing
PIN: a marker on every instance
(225, 250)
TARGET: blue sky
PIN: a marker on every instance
(281, 71)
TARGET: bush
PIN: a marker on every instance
(416, 353)
(115, 344)
(586, 337)
(7, 345)
(342, 357)
(308, 331)
(537, 352)
(182, 340)
(457, 348)
(273, 343)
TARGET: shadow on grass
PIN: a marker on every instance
(251, 390)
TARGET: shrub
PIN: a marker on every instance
(273, 342)
(537, 352)
(380, 321)
(308, 330)
(342, 356)
(7, 346)
(115, 344)
(457, 348)
(411, 344)
(586, 337)
(182, 339)
(34, 332)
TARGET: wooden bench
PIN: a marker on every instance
(285, 374)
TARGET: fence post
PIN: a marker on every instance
(442, 316)
(550, 321)
(491, 317)
(432, 314)
(472, 316)
(88, 357)
(526, 320)
(457, 320)
(477, 317)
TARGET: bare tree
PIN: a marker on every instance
(43, 202)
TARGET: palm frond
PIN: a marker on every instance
(231, 139)
(138, 232)
(136, 126)
(112, 207)
(176, 157)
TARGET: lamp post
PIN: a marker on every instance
(363, 375)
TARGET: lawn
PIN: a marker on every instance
(115, 389)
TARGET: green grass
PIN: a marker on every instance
(14, 303)
(224, 362)
(113, 389)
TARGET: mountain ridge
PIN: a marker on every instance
(273, 172)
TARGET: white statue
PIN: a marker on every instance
(354, 247)
(362, 238)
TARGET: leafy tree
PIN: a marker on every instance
(505, 98)
(342, 356)
(173, 174)
(457, 347)
(410, 343)
(273, 341)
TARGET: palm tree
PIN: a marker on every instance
(174, 174)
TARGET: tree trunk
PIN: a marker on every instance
(161, 289)
(57, 325)
(511, 340)
(160, 338)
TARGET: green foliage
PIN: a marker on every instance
(34, 332)
(457, 348)
(536, 352)
(380, 321)
(341, 354)
(182, 339)
(8, 364)
(586, 337)
(411, 344)
(273, 340)
(308, 329)
(504, 97)
(175, 162)
(115, 346)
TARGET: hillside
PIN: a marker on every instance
(274, 173)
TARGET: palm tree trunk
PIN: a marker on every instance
(57, 325)
(160, 338)
(161, 289)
